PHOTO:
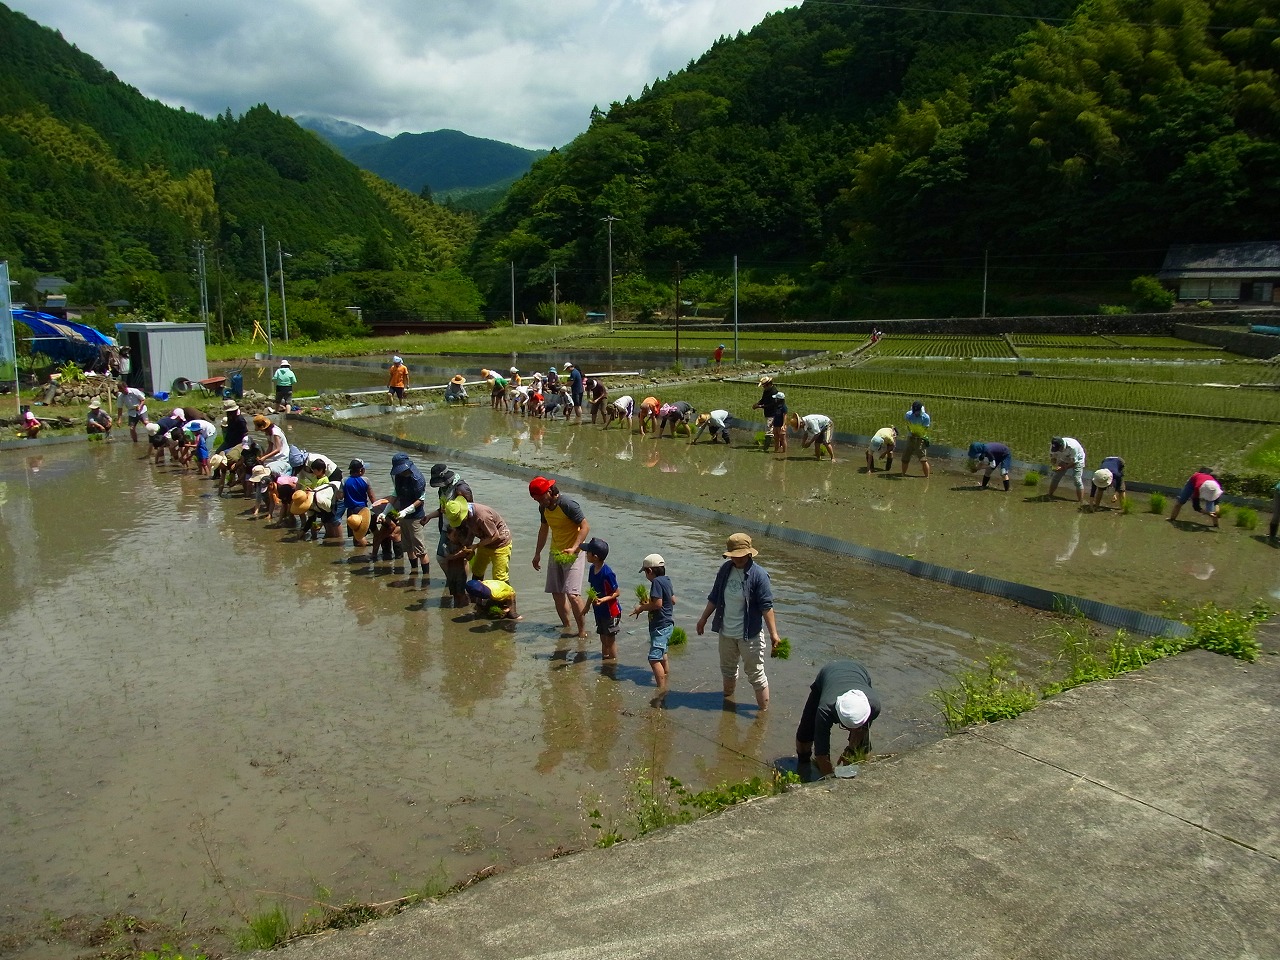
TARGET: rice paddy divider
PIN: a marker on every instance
(792, 385)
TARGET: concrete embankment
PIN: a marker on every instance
(1127, 819)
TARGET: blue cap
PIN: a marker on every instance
(477, 589)
(400, 463)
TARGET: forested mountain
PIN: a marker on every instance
(439, 162)
(836, 145)
(112, 191)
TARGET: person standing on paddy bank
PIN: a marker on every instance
(563, 521)
(742, 601)
(284, 378)
(397, 379)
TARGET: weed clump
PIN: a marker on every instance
(1156, 503)
(992, 691)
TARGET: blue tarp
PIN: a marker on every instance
(62, 340)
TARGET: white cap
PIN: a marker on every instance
(853, 709)
(1103, 477)
(568, 364)
(652, 561)
(153, 428)
(515, 370)
(1210, 490)
(396, 360)
(877, 443)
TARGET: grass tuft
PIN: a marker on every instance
(678, 637)
(1031, 479)
(1156, 503)
(266, 930)
(1246, 518)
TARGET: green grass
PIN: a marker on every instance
(1156, 503)
(1246, 518)
(265, 930)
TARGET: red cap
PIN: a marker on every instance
(539, 486)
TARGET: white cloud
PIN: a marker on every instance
(522, 71)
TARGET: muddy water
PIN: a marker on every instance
(1140, 561)
(204, 716)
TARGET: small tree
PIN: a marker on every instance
(1152, 297)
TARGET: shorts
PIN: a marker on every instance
(135, 419)
(823, 435)
(498, 557)
(566, 578)
(917, 446)
(397, 392)
(659, 637)
(576, 396)
(1076, 473)
(606, 622)
(159, 441)
(778, 419)
(284, 395)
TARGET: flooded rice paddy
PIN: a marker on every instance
(206, 717)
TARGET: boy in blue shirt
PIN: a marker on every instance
(605, 603)
(660, 605)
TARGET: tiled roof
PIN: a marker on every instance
(1207, 260)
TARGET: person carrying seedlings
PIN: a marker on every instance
(284, 378)
(814, 429)
(623, 408)
(882, 444)
(1067, 454)
(604, 604)
(98, 422)
(1108, 476)
(990, 457)
(410, 490)
(661, 609)
(918, 423)
(132, 402)
(741, 600)
(840, 694)
(774, 408)
(357, 497)
(1203, 491)
(717, 421)
(678, 414)
(562, 521)
(495, 598)
(397, 379)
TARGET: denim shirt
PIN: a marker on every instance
(757, 590)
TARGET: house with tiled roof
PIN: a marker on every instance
(1245, 273)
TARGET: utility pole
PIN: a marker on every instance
(266, 287)
(735, 308)
(513, 294)
(986, 257)
(555, 298)
(284, 307)
(609, 220)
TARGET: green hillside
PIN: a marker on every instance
(839, 150)
(112, 191)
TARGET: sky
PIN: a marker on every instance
(521, 71)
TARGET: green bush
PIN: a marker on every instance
(1112, 310)
(993, 691)
(1229, 632)
(1151, 296)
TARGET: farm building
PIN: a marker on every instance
(1227, 272)
(163, 354)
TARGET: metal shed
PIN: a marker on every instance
(162, 354)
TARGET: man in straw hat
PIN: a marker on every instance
(456, 389)
(840, 694)
(98, 421)
(742, 601)
(772, 405)
(235, 429)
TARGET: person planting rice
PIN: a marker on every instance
(1067, 454)
(918, 424)
(98, 422)
(448, 485)
(410, 488)
(649, 413)
(1109, 476)
(490, 533)
(276, 454)
(717, 421)
(840, 694)
(132, 402)
(1203, 491)
(604, 603)
(494, 598)
(599, 397)
(563, 522)
(357, 496)
(678, 414)
(990, 457)
(815, 429)
(622, 409)
(882, 445)
(197, 435)
(772, 404)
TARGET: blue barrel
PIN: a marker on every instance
(1270, 331)
(237, 385)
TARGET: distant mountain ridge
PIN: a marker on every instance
(443, 160)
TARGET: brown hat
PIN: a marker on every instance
(458, 378)
(261, 423)
(301, 502)
(739, 545)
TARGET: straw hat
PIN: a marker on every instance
(301, 502)
(358, 523)
(458, 379)
(95, 404)
(739, 545)
(229, 405)
(259, 473)
(764, 380)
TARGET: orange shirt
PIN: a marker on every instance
(650, 403)
(399, 376)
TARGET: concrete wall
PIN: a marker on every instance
(1240, 341)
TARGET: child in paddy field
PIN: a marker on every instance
(661, 609)
(488, 595)
(604, 606)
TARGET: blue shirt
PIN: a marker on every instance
(355, 494)
(604, 583)
(661, 589)
(919, 422)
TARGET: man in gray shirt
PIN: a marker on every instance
(841, 694)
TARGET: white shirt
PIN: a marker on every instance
(132, 400)
(814, 424)
(283, 455)
(1070, 455)
(201, 426)
(735, 604)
